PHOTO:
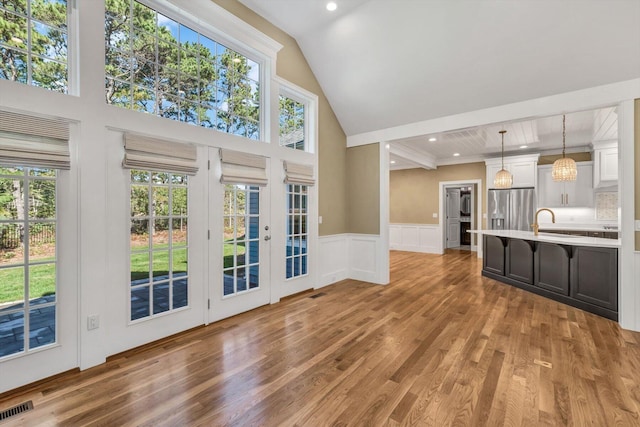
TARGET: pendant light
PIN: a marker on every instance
(503, 178)
(564, 169)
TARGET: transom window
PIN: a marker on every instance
(28, 264)
(157, 65)
(241, 238)
(33, 43)
(292, 126)
(158, 243)
(296, 257)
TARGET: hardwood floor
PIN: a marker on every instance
(440, 345)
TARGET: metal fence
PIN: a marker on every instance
(12, 236)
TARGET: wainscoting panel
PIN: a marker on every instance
(635, 305)
(363, 257)
(425, 238)
(333, 259)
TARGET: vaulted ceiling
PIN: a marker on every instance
(386, 63)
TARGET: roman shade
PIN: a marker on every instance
(243, 168)
(34, 141)
(159, 155)
(296, 173)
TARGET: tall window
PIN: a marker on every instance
(241, 238)
(158, 243)
(296, 257)
(160, 66)
(27, 259)
(33, 43)
(292, 126)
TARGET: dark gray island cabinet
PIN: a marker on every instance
(585, 277)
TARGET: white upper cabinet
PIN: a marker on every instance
(578, 193)
(523, 169)
(605, 167)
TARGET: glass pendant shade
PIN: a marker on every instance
(503, 179)
(564, 169)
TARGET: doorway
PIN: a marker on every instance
(460, 207)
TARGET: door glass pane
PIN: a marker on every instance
(42, 326)
(11, 247)
(11, 332)
(42, 241)
(42, 283)
(158, 242)
(139, 302)
(296, 227)
(241, 238)
(180, 293)
(161, 298)
(27, 259)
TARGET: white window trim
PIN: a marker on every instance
(310, 102)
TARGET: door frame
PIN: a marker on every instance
(442, 185)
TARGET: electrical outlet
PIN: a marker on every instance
(637, 224)
(435, 215)
(93, 322)
(320, 219)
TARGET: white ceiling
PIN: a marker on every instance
(541, 135)
(385, 63)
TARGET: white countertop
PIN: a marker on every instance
(562, 239)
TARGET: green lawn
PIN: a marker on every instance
(42, 277)
(42, 280)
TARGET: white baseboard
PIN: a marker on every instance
(426, 238)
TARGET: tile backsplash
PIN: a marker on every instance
(607, 205)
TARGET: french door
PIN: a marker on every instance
(38, 287)
(239, 245)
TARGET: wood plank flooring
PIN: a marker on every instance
(440, 345)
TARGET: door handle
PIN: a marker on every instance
(267, 238)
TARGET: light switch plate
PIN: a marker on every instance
(320, 219)
(637, 224)
(93, 322)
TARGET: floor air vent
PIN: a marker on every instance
(317, 295)
(16, 410)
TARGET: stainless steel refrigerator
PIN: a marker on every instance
(511, 209)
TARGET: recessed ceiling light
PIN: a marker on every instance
(393, 162)
(433, 139)
(456, 154)
(331, 6)
(523, 146)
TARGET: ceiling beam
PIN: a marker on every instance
(424, 160)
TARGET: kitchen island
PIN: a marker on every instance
(576, 270)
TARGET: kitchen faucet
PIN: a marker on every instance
(535, 225)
